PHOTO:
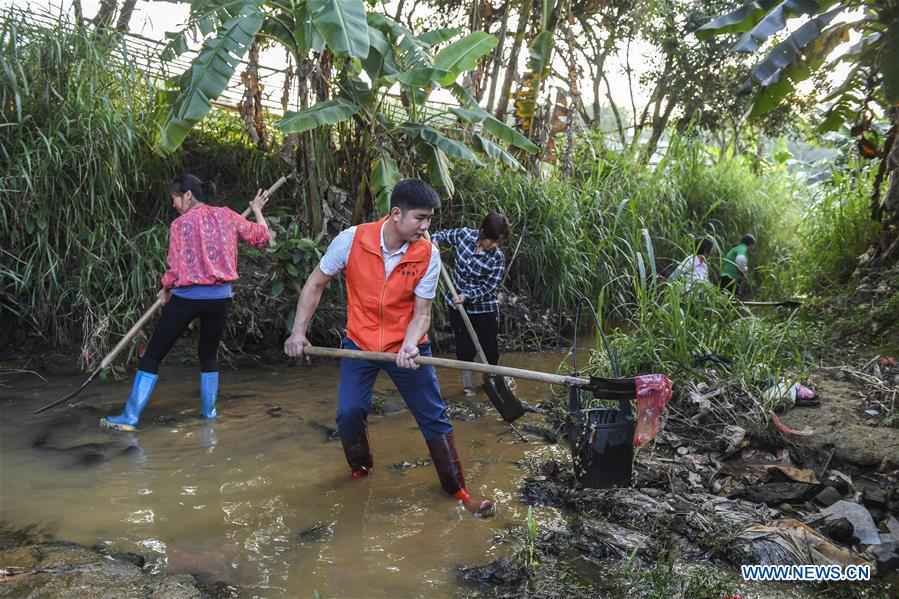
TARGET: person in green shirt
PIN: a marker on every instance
(736, 266)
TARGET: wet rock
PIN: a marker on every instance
(783, 492)
(183, 586)
(318, 532)
(58, 570)
(839, 481)
(828, 496)
(503, 571)
(403, 466)
(125, 556)
(840, 530)
(862, 522)
(887, 556)
(874, 497)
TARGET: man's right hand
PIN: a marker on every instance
(295, 345)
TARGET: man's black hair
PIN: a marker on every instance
(414, 194)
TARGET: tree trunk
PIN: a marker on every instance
(79, 13)
(524, 15)
(621, 135)
(573, 100)
(106, 13)
(659, 123)
(498, 59)
(125, 16)
(889, 163)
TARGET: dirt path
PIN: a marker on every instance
(839, 425)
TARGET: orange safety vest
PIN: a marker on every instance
(379, 310)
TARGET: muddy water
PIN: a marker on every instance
(260, 498)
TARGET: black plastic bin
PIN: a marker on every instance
(602, 439)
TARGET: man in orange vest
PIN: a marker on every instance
(391, 273)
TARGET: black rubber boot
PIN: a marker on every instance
(358, 455)
(449, 471)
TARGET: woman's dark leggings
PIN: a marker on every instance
(176, 315)
(486, 326)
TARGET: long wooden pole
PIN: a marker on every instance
(518, 373)
(482, 357)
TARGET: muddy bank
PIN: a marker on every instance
(718, 488)
(847, 424)
(32, 565)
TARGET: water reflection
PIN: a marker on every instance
(261, 497)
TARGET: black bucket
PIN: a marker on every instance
(602, 439)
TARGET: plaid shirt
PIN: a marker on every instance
(477, 274)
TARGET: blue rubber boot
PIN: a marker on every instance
(144, 382)
(209, 391)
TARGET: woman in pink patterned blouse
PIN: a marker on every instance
(202, 263)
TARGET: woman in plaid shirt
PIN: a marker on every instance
(479, 268)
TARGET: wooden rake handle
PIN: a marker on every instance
(518, 373)
(268, 194)
(482, 357)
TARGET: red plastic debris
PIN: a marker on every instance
(653, 393)
(806, 432)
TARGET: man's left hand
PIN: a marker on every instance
(459, 299)
(406, 357)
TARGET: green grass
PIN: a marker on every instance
(837, 228)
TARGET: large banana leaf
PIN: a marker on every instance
(464, 54)
(541, 52)
(434, 138)
(343, 24)
(357, 91)
(472, 113)
(208, 76)
(206, 16)
(413, 53)
(438, 36)
(510, 135)
(782, 80)
(438, 168)
(305, 32)
(776, 20)
(738, 21)
(384, 176)
(889, 64)
(422, 76)
(789, 52)
(328, 112)
(470, 116)
(497, 153)
(380, 61)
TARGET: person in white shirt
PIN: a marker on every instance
(694, 269)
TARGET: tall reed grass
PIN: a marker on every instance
(84, 209)
(585, 234)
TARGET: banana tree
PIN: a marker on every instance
(873, 73)
(370, 55)
(539, 61)
(805, 50)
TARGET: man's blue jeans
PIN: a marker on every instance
(419, 389)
